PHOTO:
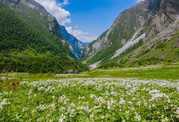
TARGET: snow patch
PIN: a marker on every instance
(95, 65)
(129, 44)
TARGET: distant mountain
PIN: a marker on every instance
(142, 35)
(29, 41)
(76, 46)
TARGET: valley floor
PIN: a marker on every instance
(160, 72)
(130, 94)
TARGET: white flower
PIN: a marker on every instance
(86, 108)
(113, 93)
(177, 88)
(165, 119)
(177, 113)
(63, 99)
(30, 93)
(3, 103)
(71, 111)
(122, 101)
(110, 103)
(154, 91)
(41, 108)
(156, 94)
(52, 106)
(137, 117)
(62, 118)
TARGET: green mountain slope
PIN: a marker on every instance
(142, 35)
(120, 32)
(165, 52)
(27, 45)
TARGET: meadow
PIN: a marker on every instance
(113, 95)
(160, 72)
(165, 72)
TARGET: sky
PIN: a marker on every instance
(86, 19)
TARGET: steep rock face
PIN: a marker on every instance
(120, 32)
(144, 24)
(75, 45)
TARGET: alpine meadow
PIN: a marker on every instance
(89, 61)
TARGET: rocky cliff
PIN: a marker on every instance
(137, 29)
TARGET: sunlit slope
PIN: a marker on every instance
(26, 45)
(144, 34)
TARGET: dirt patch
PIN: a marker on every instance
(11, 85)
(14, 84)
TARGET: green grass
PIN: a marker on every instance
(166, 72)
(60, 97)
(88, 101)
(163, 72)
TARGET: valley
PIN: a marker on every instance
(130, 73)
(152, 72)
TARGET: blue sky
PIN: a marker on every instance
(95, 16)
(86, 19)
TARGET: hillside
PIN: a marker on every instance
(145, 34)
(28, 42)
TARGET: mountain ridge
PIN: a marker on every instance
(155, 19)
(29, 42)
(60, 30)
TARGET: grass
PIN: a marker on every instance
(60, 97)
(165, 72)
(88, 101)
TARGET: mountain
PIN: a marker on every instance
(144, 34)
(76, 46)
(29, 41)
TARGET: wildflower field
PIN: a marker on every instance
(90, 100)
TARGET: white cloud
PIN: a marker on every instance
(140, 1)
(83, 36)
(64, 18)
